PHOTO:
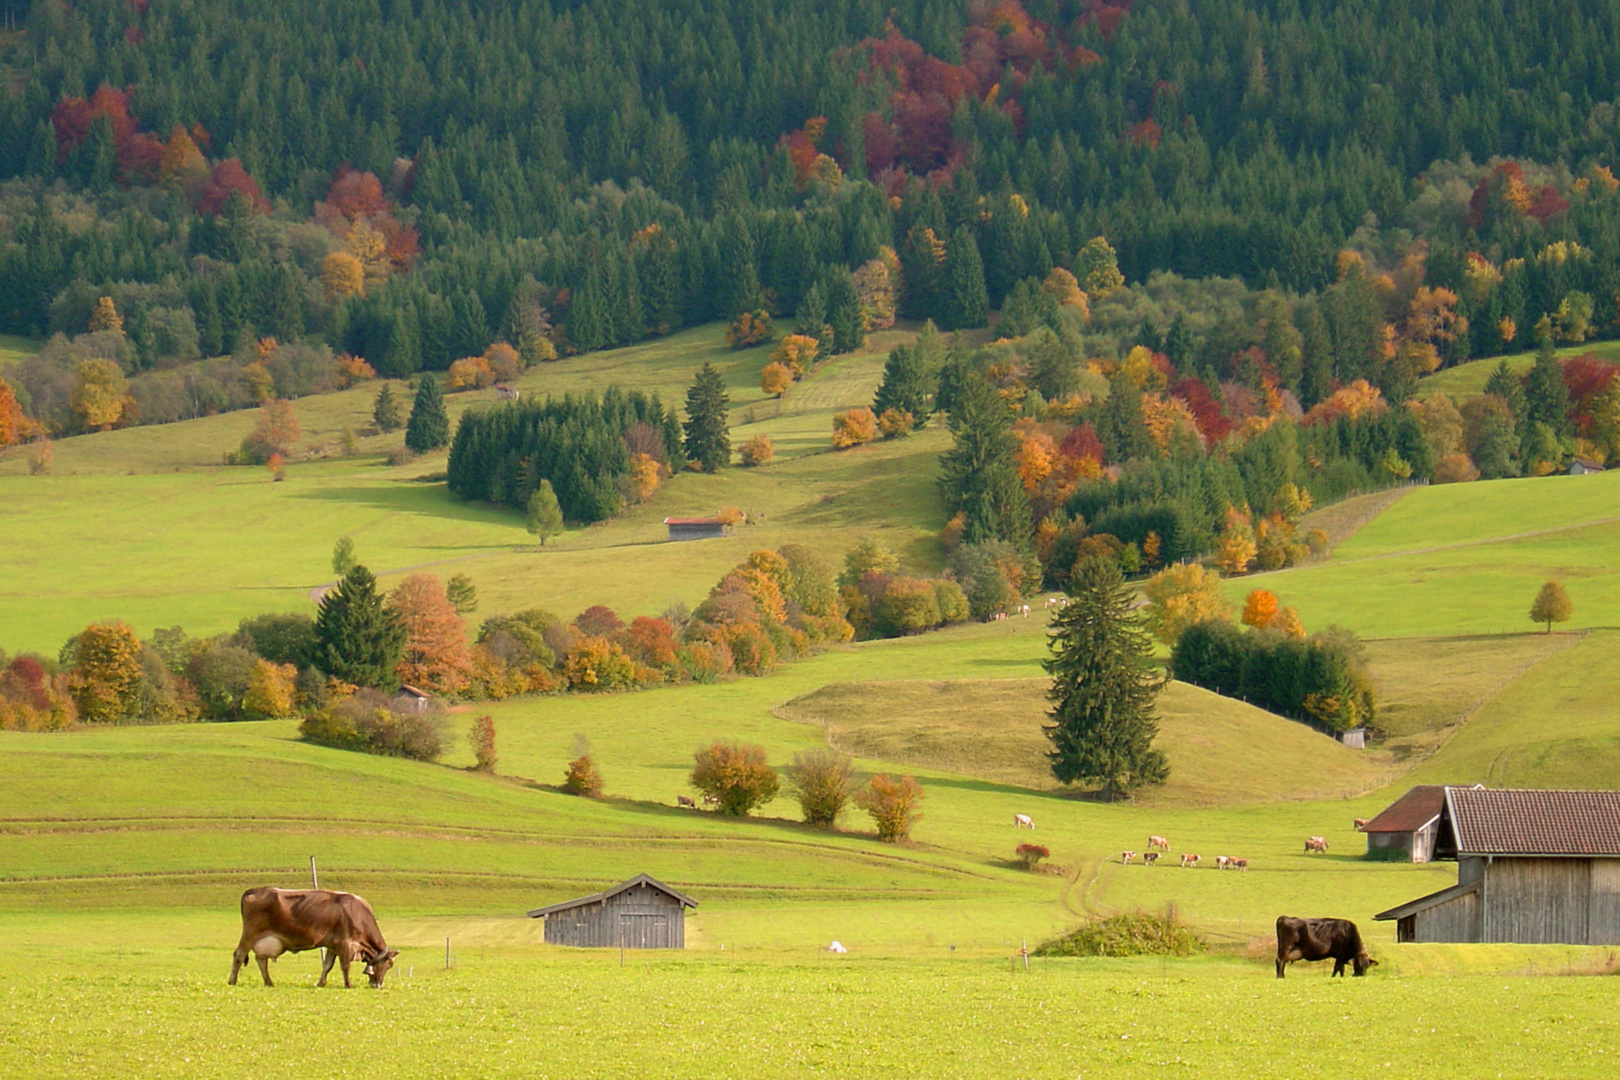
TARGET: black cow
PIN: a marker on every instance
(1321, 939)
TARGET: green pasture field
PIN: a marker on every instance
(187, 542)
(123, 851)
(1465, 559)
(535, 1014)
(1466, 380)
(14, 348)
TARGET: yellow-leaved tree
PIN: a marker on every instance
(99, 395)
(1182, 596)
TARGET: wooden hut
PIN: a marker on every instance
(1533, 867)
(695, 528)
(1406, 829)
(410, 699)
(641, 913)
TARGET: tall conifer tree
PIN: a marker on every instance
(968, 304)
(708, 442)
(1103, 686)
(357, 638)
(429, 425)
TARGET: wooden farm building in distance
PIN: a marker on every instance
(641, 913)
(1405, 831)
(695, 528)
(1533, 868)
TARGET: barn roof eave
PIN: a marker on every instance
(608, 894)
(1423, 903)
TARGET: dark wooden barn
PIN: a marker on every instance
(695, 528)
(641, 913)
(1533, 868)
(1405, 831)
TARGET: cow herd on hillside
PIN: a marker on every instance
(1338, 940)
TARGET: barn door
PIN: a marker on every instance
(645, 931)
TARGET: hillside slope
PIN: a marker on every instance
(991, 728)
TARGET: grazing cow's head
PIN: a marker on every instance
(1361, 963)
(377, 966)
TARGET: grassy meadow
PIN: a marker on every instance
(123, 851)
(1468, 379)
(14, 348)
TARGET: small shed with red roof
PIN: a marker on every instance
(1534, 867)
(1405, 831)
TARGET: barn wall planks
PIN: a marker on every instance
(1455, 920)
(639, 918)
(1603, 918)
(1537, 901)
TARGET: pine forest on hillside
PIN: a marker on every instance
(1299, 196)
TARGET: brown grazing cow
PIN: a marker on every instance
(1315, 843)
(275, 921)
(686, 801)
(1150, 857)
(1321, 939)
(1359, 823)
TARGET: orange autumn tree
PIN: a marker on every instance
(1259, 608)
(436, 656)
(15, 426)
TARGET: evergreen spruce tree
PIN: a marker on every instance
(588, 323)
(707, 440)
(385, 411)
(1103, 686)
(429, 426)
(357, 638)
(1546, 397)
(469, 325)
(979, 474)
(844, 313)
(967, 304)
(403, 352)
(1123, 430)
(1507, 386)
(1179, 344)
(812, 319)
(906, 386)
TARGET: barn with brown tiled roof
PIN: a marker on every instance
(1405, 831)
(1534, 867)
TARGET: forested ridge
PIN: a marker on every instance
(410, 182)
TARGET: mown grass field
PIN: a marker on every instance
(1468, 379)
(122, 852)
(1466, 559)
(13, 349)
(522, 1013)
(185, 541)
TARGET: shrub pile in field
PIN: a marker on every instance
(588, 448)
(366, 722)
(1137, 933)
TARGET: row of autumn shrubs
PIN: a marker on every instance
(773, 606)
(739, 779)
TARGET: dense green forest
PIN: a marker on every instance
(1295, 193)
